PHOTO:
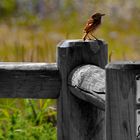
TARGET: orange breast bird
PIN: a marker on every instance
(92, 24)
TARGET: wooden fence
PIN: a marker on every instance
(77, 81)
(121, 103)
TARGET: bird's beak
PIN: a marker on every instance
(102, 14)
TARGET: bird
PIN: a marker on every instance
(92, 24)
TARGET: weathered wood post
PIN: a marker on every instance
(121, 100)
(77, 119)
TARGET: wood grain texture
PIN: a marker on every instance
(77, 119)
(29, 80)
(90, 78)
(127, 65)
(121, 100)
(87, 82)
(96, 99)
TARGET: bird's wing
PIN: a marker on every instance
(91, 25)
(88, 25)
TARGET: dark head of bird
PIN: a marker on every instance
(97, 16)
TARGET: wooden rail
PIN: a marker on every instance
(29, 80)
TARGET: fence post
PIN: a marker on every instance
(77, 119)
(121, 100)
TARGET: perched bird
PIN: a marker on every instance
(92, 24)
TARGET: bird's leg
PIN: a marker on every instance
(93, 36)
(85, 36)
(88, 37)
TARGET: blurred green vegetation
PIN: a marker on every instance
(7, 7)
(30, 31)
(27, 119)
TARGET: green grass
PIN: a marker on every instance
(27, 119)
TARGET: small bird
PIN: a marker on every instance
(92, 24)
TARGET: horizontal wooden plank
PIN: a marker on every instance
(124, 65)
(29, 80)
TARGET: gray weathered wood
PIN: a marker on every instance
(90, 78)
(138, 106)
(96, 99)
(29, 80)
(87, 82)
(121, 100)
(77, 119)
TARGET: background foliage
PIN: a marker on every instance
(30, 31)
